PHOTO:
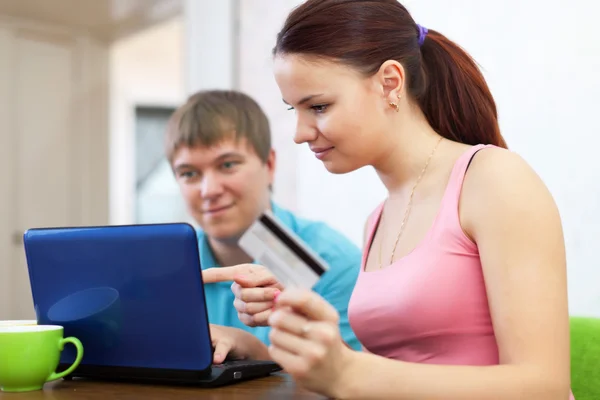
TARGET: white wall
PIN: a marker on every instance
(541, 60)
(211, 39)
(145, 69)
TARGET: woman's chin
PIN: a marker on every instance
(340, 168)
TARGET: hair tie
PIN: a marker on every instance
(422, 33)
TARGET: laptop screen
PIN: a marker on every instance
(133, 295)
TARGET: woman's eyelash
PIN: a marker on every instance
(320, 108)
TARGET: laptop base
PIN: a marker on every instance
(227, 373)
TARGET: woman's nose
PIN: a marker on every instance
(304, 132)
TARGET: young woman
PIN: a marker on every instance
(462, 293)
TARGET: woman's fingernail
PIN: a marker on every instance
(276, 295)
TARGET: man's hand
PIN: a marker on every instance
(235, 344)
(255, 289)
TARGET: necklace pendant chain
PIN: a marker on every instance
(408, 207)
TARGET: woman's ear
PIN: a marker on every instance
(391, 76)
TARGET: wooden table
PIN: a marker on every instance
(276, 387)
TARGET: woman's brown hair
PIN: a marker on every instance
(441, 77)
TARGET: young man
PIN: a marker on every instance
(219, 147)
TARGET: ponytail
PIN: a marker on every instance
(455, 98)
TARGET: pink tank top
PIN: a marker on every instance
(431, 305)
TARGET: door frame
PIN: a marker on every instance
(7, 160)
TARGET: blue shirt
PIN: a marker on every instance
(335, 285)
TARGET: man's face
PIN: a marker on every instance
(225, 186)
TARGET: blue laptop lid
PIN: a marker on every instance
(133, 295)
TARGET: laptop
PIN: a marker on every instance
(134, 296)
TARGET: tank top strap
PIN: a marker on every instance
(457, 176)
(372, 224)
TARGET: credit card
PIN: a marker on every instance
(278, 248)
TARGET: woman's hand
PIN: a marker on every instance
(306, 342)
(235, 344)
(255, 289)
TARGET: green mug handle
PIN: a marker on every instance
(74, 341)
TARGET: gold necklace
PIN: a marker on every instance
(408, 207)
